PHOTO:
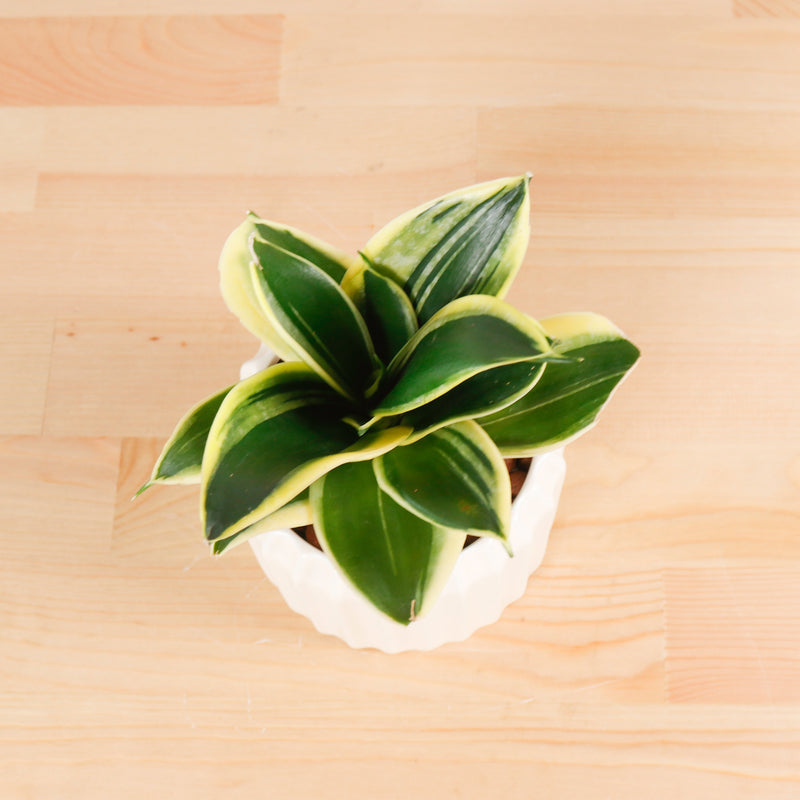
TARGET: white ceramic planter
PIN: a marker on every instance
(483, 583)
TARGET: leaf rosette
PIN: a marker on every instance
(404, 381)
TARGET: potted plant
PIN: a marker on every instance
(390, 390)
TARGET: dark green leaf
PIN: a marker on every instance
(312, 312)
(477, 396)
(332, 261)
(182, 455)
(453, 477)
(566, 400)
(269, 430)
(274, 435)
(388, 313)
(397, 560)
(468, 337)
(295, 513)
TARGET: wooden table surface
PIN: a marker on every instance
(656, 653)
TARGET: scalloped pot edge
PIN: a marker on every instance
(483, 583)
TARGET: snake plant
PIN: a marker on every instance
(403, 380)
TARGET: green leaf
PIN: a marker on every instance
(565, 402)
(397, 560)
(295, 513)
(329, 259)
(312, 312)
(275, 434)
(240, 294)
(483, 394)
(386, 309)
(182, 454)
(467, 337)
(468, 242)
(454, 477)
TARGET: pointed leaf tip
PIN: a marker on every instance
(454, 477)
(410, 558)
(566, 401)
(470, 241)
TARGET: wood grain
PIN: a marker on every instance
(180, 60)
(23, 134)
(57, 500)
(655, 652)
(55, 8)
(80, 400)
(159, 524)
(766, 8)
(543, 61)
(85, 258)
(733, 635)
(635, 195)
(302, 141)
(25, 349)
(649, 142)
(306, 201)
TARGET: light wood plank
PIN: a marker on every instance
(183, 60)
(301, 200)
(79, 306)
(167, 364)
(56, 8)
(784, 9)
(21, 136)
(161, 526)
(583, 8)
(733, 635)
(716, 244)
(315, 204)
(107, 253)
(25, 346)
(635, 195)
(302, 141)
(685, 538)
(646, 142)
(699, 752)
(56, 496)
(660, 62)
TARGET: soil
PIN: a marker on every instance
(517, 472)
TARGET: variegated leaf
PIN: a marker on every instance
(397, 560)
(482, 394)
(331, 260)
(182, 455)
(295, 513)
(468, 242)
(275, 434)
(565, 402)
(239, 291)
(385, 307)
(467, 337)
(312, 311)
(453, 477)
